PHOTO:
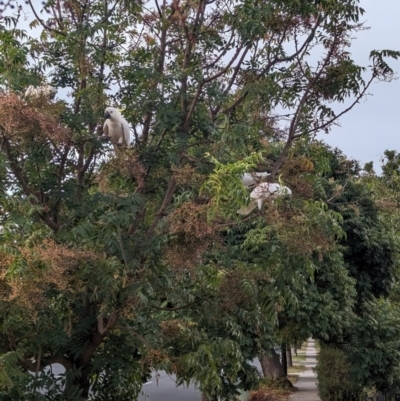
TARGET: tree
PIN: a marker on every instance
(105, 258)
(330, 304)
(379, 314)
(370, 256)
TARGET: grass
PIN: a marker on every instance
(296, 369)
(299, 358)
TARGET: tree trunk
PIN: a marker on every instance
(271, 366)
(273, 369)
(289, 356)
(82, 382)
(284, 360)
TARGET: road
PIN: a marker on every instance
(165, 389)
(161, 386)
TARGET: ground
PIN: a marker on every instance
(268, 394)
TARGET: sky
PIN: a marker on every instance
(372, 126)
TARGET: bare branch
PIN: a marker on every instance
(332, 120)
(296, 119)
(42, 22)
(158, 9)
(225, 69)
(306, 42)
(222, 54)
(108, 14)
(268, 67)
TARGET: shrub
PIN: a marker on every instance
(334, 380)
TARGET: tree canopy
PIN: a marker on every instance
(117, 263)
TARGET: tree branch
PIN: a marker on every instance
(39, 365)
(110, 322)
(295, 120)
(167, 199)
(266, 69)
(332, 120)
(226, 68)
(85, 166)
(42, 22)
(172, 309)
(45, 216)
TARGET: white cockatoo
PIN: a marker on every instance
(45, 90)
(250, 179)
(116, 127)
(269, 190)
(260, 193)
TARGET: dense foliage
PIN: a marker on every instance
(115, 264)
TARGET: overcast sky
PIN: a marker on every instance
(373, 126)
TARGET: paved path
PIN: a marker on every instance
(307, 381)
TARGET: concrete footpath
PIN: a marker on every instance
(307, 381)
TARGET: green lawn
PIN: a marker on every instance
(296, 369)
(299, 357)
